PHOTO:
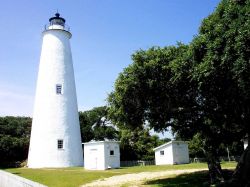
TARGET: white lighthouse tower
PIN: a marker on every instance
(55, 136)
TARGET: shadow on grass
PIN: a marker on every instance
(196, 179)
(16, 173)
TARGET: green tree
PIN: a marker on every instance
(87, 133)
(196, 147)
(157, 88)
(146, 91)
(95, 125)
(201, 88)
(14, 140)
(138, 144)
(221, 52)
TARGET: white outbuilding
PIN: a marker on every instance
(101, 155)
(173, 152)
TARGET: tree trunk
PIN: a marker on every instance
(241, 176)
(214, 167)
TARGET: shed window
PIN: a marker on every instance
(58, 89)
(161, 152)
(111, 153)
(60, 144)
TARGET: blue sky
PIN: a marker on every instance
(105, 34)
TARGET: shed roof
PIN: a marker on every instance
(168, 143)
(96, 142)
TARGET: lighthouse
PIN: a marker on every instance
(55, 135)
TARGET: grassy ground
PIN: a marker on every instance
(196, 179)
(72, 177)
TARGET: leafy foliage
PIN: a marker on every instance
(95, 125)
(138, 144)
(200, 88)
(14, 139)
(145, 91)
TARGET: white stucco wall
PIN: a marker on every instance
(55, 116)
(175, 152)
(97, 155)
(112, 161)
(167, 158)
(180, 153)
(94, 156)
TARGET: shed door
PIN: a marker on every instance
(93, 158)
(176, 155)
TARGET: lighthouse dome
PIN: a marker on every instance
(57, 22)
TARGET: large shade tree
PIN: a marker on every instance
(203, 87)
(157, 89)
(145, 91)
(221, 54)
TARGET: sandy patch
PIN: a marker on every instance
(137, 177)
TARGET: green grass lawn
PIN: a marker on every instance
(72, 177)
(195, 179)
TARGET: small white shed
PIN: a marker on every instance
(173, 152)
(101, 155)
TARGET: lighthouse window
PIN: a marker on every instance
(60, 144)
(58, 89)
